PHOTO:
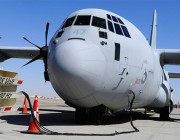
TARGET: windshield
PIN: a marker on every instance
(99, 22)
(83, 20)
(68, 22)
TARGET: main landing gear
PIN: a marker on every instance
(92, 116)
(164, 112)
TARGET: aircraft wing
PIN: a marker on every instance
(169, 56)
(174, 75)
(7, 52)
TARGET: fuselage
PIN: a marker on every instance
(97, 58)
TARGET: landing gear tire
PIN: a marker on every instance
(95, 115)
(81, 116)
(92, 116)
(164, 113)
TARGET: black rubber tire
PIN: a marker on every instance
(164, 113)
(95, 116)
(81, 116)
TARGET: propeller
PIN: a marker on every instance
(43, 53)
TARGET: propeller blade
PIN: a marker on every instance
(46, 33)
(34, 59)
(43, 53)
(30, 42)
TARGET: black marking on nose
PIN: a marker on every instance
(77, 38)
(118, 84)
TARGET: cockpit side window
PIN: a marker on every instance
(114, 19)
(99, 22)
(118, 29)
(119, 26)
(83, 20)
(125, 30)
(68, 22)
(120, 21)
(109, 17)
(110, 25)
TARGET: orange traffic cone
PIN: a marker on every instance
(24, 109)
(34, 126)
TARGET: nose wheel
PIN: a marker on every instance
(95, 115)
(81, 116)
(92, 116)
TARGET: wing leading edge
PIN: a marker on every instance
(169, 56)
(7, 52)
(174, 75)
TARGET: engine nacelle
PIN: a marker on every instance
(164, 94)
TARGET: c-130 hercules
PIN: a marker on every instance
(96, 59)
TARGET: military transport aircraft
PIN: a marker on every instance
(97, 59)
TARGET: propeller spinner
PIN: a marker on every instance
(43, 53)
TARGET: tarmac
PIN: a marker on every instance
(56, 116)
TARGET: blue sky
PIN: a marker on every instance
(28, 17)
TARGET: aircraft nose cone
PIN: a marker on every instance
(79, 66)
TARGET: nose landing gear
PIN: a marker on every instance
(92, 116)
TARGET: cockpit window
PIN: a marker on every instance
(125, 30)
(118, 29)
(99, 22)
(114, 19)
(110, 25)
(83, 20)
(59, 34)
(109, 17)
(119, 26)
(68, 22)
(120, 21)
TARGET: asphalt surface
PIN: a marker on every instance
(58, 117)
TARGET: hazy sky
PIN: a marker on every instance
(28, 17)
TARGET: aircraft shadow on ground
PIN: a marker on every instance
(66, 118)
